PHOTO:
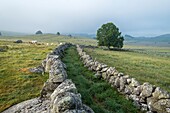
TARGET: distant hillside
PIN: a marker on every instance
(10, 33)
(162, 40)
(82, 35)
(165, 38)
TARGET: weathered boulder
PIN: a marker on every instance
(99, 67)
(104, 75)
(49, 62)
(104, 69)
(146, 90)
(112, 79)
(57, 72)
(122, 83)
(18, 41)
(134, 82)
(160, 106)
(137, 90)
(128, 90)
(117, 82)
(48, 89)
(65, 101)
(111, 71)
(39, 69)
(66, 86)
(160, 94)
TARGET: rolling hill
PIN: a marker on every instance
(161, 40)
(11, 33)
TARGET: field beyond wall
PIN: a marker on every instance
(146, 64)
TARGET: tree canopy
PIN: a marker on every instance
(109, 35)
(38, 32)
(58, 33)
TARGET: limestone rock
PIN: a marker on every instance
(48, 89)
(104, 69)
(66, 86)
(104, 75)
(65, 101)
(57, 72)
(160, 106)
(39, 69)
(122, 83)
(146, 90)
(160, 94)
(134, 82)
(117, 82)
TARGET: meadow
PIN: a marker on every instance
(146, 64)
(16, 82)
(50, 38)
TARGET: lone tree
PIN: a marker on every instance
(58, 33)
(0, 34)
(38, 32)
(109, 35)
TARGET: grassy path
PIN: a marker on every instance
(95, 93)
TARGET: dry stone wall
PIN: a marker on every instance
(146, 96)
(59, 94)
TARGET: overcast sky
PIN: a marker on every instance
(134, 17)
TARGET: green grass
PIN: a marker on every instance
(52, 39)
(16, 82)
(146, 64)
(95, 93)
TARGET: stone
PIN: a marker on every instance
(98, 75)
(115, 73)
(48, 89)
(104, 75)
(159, 106)
(137, 90)
(168, 110)
(39, 69)
(122, 83)
(146, 90)
(112, 79)
(127, 90)
(104, 66)
(117, 82)
(99, 67)
(129, 80)
(120, 74)
(65, 101)
(144, 107)
(66, 86)
(18, 41)
(134, 82)
(104, 69)
(160, 94)
(111, 71)
(48, 64)
(57, 72)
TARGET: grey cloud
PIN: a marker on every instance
(137, 17)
